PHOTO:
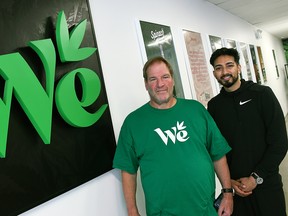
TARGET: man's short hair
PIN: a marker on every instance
(154, 60)
(224, 51)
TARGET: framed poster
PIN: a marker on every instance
(56, 129)
(198, 67)
(285, 47)
(275, 61)
(229, 43)
(245, 66)
(215, 43)
(255, 65)
(262, 66)
(158, 41)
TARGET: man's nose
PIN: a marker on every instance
(225, 70)
(160, 82)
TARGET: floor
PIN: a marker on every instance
(284, 172)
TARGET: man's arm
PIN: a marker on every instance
(129, 183)
(223, 174)
(276, 134)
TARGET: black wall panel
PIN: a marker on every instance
(33, 172)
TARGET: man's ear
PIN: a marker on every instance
(145, 83)
(239, 68)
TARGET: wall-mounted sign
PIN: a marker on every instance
(55, 130)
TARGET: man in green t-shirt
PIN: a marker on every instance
(177, 146)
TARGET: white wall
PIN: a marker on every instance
(121, 60)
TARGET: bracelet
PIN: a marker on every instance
(227, 190)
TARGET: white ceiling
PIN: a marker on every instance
(268, 15)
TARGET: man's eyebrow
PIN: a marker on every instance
(230, 62)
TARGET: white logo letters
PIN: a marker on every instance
(177, 133)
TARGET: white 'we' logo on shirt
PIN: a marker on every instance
(176, 133)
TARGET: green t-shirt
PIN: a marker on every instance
(175, 149)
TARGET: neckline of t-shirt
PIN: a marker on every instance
(164, 110)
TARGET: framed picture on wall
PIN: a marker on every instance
(255, 64)
(285, 47)
(262, 66)
(157, 40)
(246, 63)
(199, 75)
(215, 42)
(275, 61)
(229, 43)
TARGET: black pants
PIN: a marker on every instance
(263, 202)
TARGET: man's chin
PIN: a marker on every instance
(161, 101)
(227, 84)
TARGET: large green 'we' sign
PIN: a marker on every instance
(36, 101)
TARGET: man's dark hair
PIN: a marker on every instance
(154, 60)
(224, 51)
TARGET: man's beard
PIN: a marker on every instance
(160, 100)
(228, 84)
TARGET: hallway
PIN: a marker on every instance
(284, 172)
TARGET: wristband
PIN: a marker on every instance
(227, 190)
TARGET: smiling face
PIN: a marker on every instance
(227, 71)
(159, 85)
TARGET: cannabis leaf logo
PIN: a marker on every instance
(69, 44)
(36, 100)
(180, 126)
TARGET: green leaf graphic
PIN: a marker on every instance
(69, 44)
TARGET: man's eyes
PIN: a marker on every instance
(152, 79)
(221, 68)
(166, 76)
(217, 68)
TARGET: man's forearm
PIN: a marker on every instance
(222, 171)
(129, 183)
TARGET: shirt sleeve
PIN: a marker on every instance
(125, 156)
(276, 133)
(217, 144)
